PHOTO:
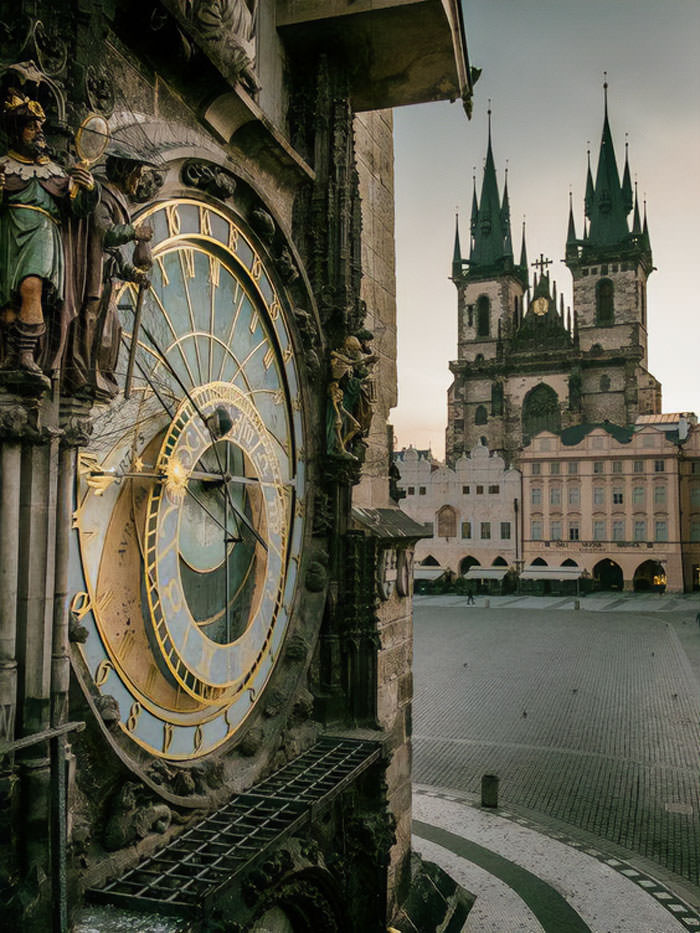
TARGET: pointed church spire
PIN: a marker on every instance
(608, 212)
(475, 205)
(492, 250)
(457, 252)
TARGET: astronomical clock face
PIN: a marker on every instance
(190, 496)
(540, 306)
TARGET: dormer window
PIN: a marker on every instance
(483, 316)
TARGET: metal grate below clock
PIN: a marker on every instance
(187, 875)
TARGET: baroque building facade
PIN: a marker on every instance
(205, 621)
(524, 364)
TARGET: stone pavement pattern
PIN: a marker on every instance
(604, 895)
(588, 717)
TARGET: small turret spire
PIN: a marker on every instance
(636, 223)
(457, 252)
(524, 265)
(571, 244)
(627, 198)
(590, 190)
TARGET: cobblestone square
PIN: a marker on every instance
(587, 717)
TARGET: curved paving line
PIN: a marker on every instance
(552, 911)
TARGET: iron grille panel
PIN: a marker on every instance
(187, 874)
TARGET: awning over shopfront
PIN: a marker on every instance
(486, 573)
(551, 573)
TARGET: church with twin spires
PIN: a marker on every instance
(524, 363)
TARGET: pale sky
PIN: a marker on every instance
(543, 67)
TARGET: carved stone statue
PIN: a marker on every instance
(36, 196)
(349, 397)
(225, 29)
(93, 345)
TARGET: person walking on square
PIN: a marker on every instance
(470, 596)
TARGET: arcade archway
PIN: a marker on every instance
(608, 575)
(649, 576)
(466, 563)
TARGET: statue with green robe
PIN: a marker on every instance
(37, 196)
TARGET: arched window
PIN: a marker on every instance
(483, 316)
(605, 302)
(605, 383)
(430, 561)
(481, 416)
(447, 522)
(541, 411)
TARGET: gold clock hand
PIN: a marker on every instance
(237, 512)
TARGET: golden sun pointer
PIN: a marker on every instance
(176, 476)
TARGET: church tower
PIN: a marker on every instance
(490, 291)
(610, 266)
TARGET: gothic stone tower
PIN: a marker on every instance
(610, 267)
(490, 289)
(523, 365)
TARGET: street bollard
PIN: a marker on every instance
(577, 604)
(489, 790)
(487, 604)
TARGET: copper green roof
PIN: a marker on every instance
(574, 435)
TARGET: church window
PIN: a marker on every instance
(411, 490)
(479, 490)
(466, 529)
(536, 531)
(573, 467)
(447, 522)
(505, 531)
(555, 531)
(659, 495)
(617, 466)
(483, 316)
(555, 495)
(479, 358)
(640, 530)
(659, 466)
(598, 495)
(554, 468)
(481, 415)
(574, 495)
(497, 398)
(536, 495)
(661, 531)
(618, 496)
(605, 302)
(618, 529)
(465, 490)
(605, 383)
(494, 489)
(573, 531)
(536, 469)
(421, 490)
(485, 531)
(638, 495)
(541, 411)
(599, 531)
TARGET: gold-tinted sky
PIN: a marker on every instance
(543, 67)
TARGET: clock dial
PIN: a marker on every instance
(190, 497)
(540, 306)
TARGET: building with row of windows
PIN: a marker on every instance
(620, 505)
